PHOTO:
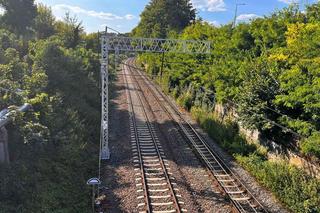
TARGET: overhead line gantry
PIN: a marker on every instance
(117, 43)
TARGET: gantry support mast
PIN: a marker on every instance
(127, 44)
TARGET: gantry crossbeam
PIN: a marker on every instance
(158, 45)
(128, 44)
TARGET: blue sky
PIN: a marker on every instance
(123, 15)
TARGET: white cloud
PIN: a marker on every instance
(59, 8)
(247, 17)
(209, 5)
(129, 17)
(214, 23)
(289, 1)
(1, 11)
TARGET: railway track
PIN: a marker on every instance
(239, 195)
(157, 191)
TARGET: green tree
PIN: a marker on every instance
(70, 31)
(313, 12)
(44, 22)
(162, 16)
(19, 15)
(92, 42)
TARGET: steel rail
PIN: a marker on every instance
(161, 160)
(133, 120)
(157, 148)
(222, 167)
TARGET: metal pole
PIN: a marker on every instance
(161, 71)
(105, 152)
(235, 15)
(162, 61)
(100, 146)
(93, 199)
(116, 58)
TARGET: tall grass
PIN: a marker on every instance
(292, 186)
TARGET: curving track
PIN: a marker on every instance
(238, 194)
(155, 185)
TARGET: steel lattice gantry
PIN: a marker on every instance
(127, 44)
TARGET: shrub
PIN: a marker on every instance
(312, 145)
(185, 100)
(226, 134)
(291, 185)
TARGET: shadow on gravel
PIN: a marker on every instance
(119, 145)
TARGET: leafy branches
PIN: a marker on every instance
(269, 68)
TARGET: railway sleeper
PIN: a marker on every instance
(158, 190)
(152, 169)
(162, 204)
(160, 196)
(226, 180)
(147, 146)
(165, 211)
(241, 198)
(149, 153)
(235, 192)
(151, 165)
(155, 179)
(141, 204)
(148, 157)
(153, 150)
(154, 173)
(157, 184)
(222, 175)
(151, 160)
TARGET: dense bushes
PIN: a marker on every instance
(54, 147)
(312, 145)
(294, 188)
(255, 66)
(224, 133)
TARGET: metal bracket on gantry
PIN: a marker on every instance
(116, 43)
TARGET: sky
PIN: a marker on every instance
(123, 15)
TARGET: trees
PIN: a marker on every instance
(44, 22)
(70, 31)
(161, 16)
(19, 15)
(268, 68)
(313, 13)
(58, 76)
